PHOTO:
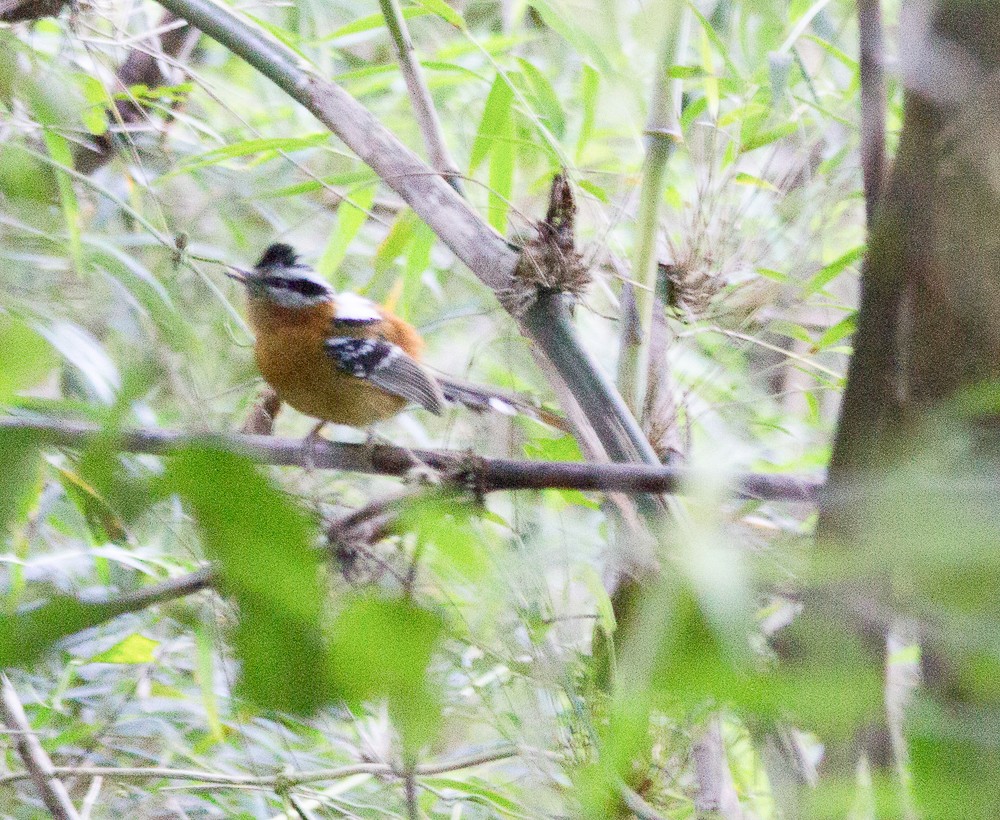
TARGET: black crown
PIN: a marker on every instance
(278, 255)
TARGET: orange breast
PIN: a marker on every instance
(292, 359)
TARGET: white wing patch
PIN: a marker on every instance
(349, 307)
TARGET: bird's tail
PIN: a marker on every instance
(482, 399)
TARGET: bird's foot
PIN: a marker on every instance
(419, 472)
(310, 445)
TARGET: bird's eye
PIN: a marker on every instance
(304, 287)
(307, 287)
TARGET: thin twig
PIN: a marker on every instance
(420, 95)
(504, 752)
(36, 761)
(481, 474)
(91, 797)
(410, 790)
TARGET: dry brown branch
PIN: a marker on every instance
(463, 469)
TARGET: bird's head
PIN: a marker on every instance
(280, 279)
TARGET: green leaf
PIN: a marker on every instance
(495, 121)
(446, 525)
(95, 119)
(135, 648)
(755, 182)
(205, 675)
(103, 523)
(444, 11)
(396, 240)
(563, 448)
(19, 473)
(418, 259)
(692, 111)
(828, 273)
(708, 30)
(308, 186)
(834, 52)
(753, 139)
(501, 172)
(262, 544)
(371, 22)
(595, 190)
(686, 72)
(844, 328)
(243, 148)
(792, 330)
(22, 176)
(590, 82)
(25, 357)
(62, 157)
(544, 99)
(26, 636)
(774, 275)
(382, 648)
(480, 792)
(55, 111)
(351, 216)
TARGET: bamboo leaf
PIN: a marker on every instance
(351, 216)
(495, 119)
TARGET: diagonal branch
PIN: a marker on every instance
(480, 474)
(420, 95)
(37, 763)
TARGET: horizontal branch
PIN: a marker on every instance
(479, 474)
(279, 781)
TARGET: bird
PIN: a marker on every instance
(340, 357)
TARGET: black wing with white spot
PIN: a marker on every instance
(388, 367)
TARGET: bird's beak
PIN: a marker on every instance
(238, 274)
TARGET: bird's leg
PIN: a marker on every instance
(309, 446)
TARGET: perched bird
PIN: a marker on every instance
(341, 358)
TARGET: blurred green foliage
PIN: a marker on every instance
(461, 625)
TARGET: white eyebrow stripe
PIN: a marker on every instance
(349, 307)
